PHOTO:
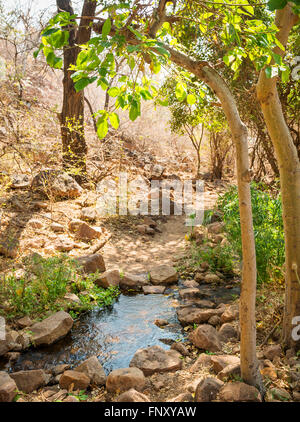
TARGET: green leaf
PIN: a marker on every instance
(106, 28)
(131, 62)
(276, 4)
(133, 113)
(114, 120)
(113, 92)
(180, 92)
(285, 75)
(83, 82)
(102, 127)
(191, 99)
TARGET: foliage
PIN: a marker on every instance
(43, 286)
(268, 230)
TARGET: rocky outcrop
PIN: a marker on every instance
(156, 359)
(51, 329)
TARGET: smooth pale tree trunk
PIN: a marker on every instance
(289, 169)
(201, 69)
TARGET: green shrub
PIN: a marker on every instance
(268, 230)
(44, 285)
(220, 258)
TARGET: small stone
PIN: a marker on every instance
(221, 361)
(230, 314)
(227, 333)
(29, 381)
(51, 329)
(133, 282)
(71, 297)
(59, 369)
(108, 279)
(94, 370)
(87, 233)
(206, 337)
(57, 228)
(88, 214)
(191, 315)
(272, 351)
(182, 398)
(211, 278)
(180, 347)
(279, 394)
(125, 379)
(132, 396)
(239, 391)
(216, 228)
(8, 388)
(203, 361)
(24, 322)
(214, 320)
(74, 379)
(161, 322)
(71, 399)
(208, 389)
(156, 359)
(154, 290)
(189, 293)
(163, 275)
(230, 371)
(35, 224)
(269, 373)
(91, 263)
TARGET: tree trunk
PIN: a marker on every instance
(289, 168)
(72, 116)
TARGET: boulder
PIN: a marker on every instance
(208, 389)
(93, 369)
(239, 391)
(88, 214)
(156, 359)
(206, 337)
(124, 379)
(227, 332)
(133, 282)
(190, 293)
(230, 371)
(272, 351)
(132, 396)
(230, 314)
(51, 329)
(24, 322)
(191, 315)
(76, 380)
(163, 275)
(92, 263)
(110, 278)
(87, 233)
(8, 388)
(29, 381)
(203, 361)
(154, 290)
(56, 184)
(221, 361)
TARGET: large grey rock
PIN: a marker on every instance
(8, 388)
(156, 359)
(125, 379)
(163, 275)
(51, 329)
(29, 381)
(93, 369)
(206, 337)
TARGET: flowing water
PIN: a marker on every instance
(116, 333)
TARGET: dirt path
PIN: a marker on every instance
(138, 253)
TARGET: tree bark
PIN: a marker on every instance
(289, 168)
(72, 116)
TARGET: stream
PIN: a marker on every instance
(114, 334)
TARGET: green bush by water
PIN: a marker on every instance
(268, 230)
(44, 285)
